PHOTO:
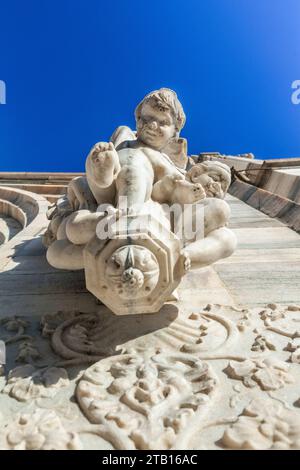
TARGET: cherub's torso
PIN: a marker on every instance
(134, 152)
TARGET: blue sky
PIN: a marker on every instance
(75, 70)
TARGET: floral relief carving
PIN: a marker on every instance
(244, 322)
(26, 383)
(147, 401)
(295, 356)
(89, 337)
(264, 425)
(262, 343)
(282, 320)
(154, 383)
(294, 348)
(271, 314)
(27, 352)
(17, 326)
(41, 430)
(268, 374)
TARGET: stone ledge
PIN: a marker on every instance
(269, 203)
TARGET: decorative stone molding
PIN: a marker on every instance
(181, 378)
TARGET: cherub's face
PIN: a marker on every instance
(155, 126)
(220, 177)
(214, 179)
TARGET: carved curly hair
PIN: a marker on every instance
(165, 99)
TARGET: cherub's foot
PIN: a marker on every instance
(105, 164)
(102, 147)
(189, 193)
(104, 153)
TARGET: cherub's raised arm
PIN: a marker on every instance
(163, 166)
(122, 134)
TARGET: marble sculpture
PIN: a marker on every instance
(125, 222)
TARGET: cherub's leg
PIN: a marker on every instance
(51, 233)
(81, 226)
(102, 167)
(216, 214)
(80, 195)
(173, 189)
(62, 254)
(134, 183)
(61, 230)
(74, 232)
(218, 242)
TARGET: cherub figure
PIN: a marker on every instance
(128, 166)
(132, 166)
(139, 166)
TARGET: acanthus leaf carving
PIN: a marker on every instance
(152, 400)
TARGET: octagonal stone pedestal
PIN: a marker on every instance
(136, 269)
